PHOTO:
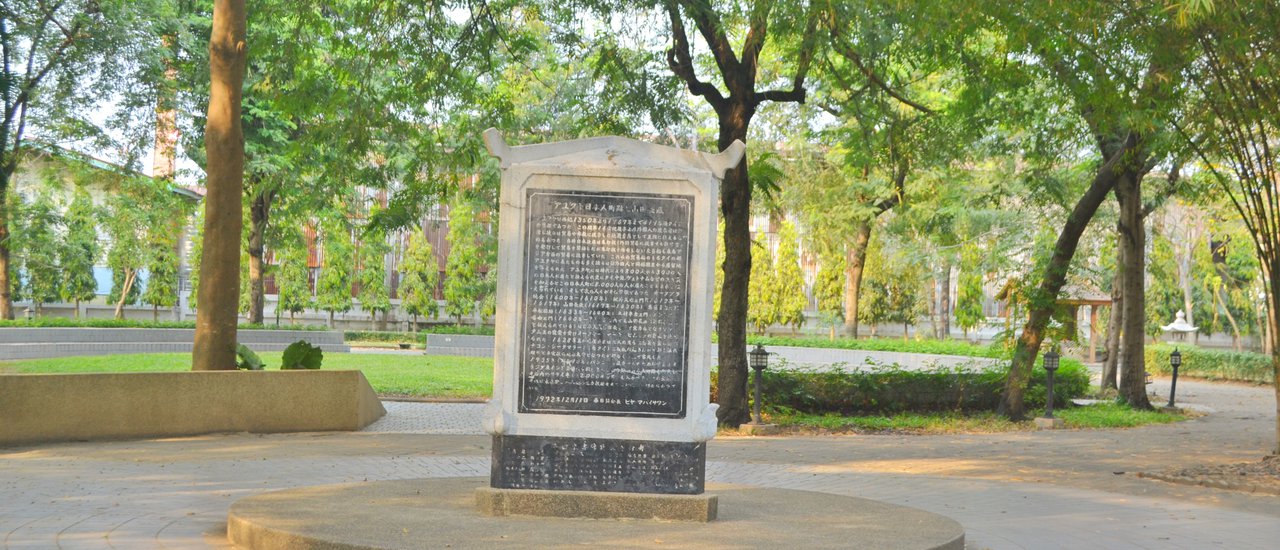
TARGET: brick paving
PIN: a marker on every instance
(1023, 490)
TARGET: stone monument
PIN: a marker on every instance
(601, 381)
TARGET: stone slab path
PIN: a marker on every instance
(1062, 489)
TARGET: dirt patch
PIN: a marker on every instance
(1261, 477)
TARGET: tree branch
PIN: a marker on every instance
(681, 62)
(849, 53)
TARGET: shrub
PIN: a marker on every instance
(890, 388)
(246, 359)
(301, 355)
(932, 347)
(419, 337)
(1211, 364)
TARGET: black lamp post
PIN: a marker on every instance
(759, 360)
(1175, 361)
(1050, 367)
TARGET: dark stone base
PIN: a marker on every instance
(589, 464)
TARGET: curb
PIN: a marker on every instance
(1243, 487)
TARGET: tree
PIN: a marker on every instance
(463, 278)
(38, 246)
(374, 298)
(79, 251)
(126, 225)
(1235, 78)
(215, 338)
(1120, 85)
(333, 289)
(60, 60)
(969, 294)
(793, 27)
(421, 272)
(761, 312)
(293, 290)
(828, 288)
(162, 266)
(789, 296)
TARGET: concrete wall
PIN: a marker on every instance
(39, 408)
(32, 343)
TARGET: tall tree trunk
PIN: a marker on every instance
(1132, 237)
(125, 288)
(944, 301)
(1271, 266)
(935, 307)
(1109, 367)
(6, 284)
(854, 261)
(735, 204)
(215, 338)
(259, 211)
(1043, 298)
(1226, 310)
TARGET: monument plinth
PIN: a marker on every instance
(606, 273)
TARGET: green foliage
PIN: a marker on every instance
(301, 355)
(470, 250)
(162, 280)
(788, 296)
(762, 289)
(125, 223)
(927, 346)
(197, 250)
(246, 359)
(719, 267)
(969, 292)
(79, 250)
(419, 336)
(891, 288)
(875, 388)
(1211, 364)
(420, 276)
(374, 297)
(333, 290)
(293, 288)
(38, 246)
(829, 286)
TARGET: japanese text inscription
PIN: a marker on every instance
(605, 303)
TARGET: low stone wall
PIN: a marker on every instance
(35, 343)
(465, 345)
(39, 408)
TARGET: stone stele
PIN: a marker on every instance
(606, 250)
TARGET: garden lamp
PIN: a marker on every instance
(1175, 361)
(759, 360)
(1050, 367)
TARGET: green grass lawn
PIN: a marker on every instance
(390, 375)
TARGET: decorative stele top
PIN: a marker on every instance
(1179, 324)
(606, 251)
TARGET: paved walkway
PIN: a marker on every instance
(1063, 489)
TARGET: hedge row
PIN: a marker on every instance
(890, 388)
(1212, 364)
(932, 347)
(419, 337)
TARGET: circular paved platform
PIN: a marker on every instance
(439, 513)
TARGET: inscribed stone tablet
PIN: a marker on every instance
(605, 303)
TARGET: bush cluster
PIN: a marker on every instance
(1211, 364)
(419, 337)
(932, 347)
(891, 388)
